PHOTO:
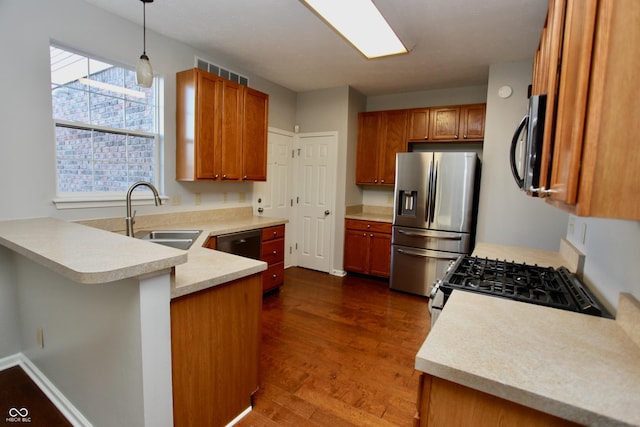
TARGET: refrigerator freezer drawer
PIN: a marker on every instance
(431, 239)
(416, 270)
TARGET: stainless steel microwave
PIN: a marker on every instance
(526, 147)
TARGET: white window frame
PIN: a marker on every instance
(69, 200)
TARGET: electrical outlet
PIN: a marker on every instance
(40, 337)
(571, 226)
(198, 199)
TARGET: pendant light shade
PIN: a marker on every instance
(144, 73)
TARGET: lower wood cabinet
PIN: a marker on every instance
(215, 336)
(272, 252)
(367, 247)
(445, 403)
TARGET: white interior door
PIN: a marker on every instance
(273, 197)
(316, 177)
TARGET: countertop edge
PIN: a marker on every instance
(32, 249)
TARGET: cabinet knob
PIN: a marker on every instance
(375, 181)
(275, 233)
(274, 276)
(364, 234)
(382, 181)
(368, 225)
(275, 252)
(464, 136)
(245, 177)
(370, 235)
(216, 177)
(426, 137)
(224, 176)
(455, 136)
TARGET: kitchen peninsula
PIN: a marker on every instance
(101, 302)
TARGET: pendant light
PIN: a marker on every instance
(144, 73)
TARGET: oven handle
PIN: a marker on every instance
(422, 255)
(414, 234)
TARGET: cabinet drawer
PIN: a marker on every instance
(379, 227)
(272, 251)
(273, 277)
(271, 233)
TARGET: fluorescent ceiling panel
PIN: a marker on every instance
(362, 24)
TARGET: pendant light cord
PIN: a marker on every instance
(144, 28)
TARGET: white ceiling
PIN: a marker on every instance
(451, 42)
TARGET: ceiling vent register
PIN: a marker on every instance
(221, 72)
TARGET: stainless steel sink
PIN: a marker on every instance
(180, 239)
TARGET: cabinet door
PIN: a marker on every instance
(472, 122)
(445, 122)
(572, 99)
(356, 248)
(367, 149)
(419, 125)
(231, 131)
(394, 140)
(380, 254)
(197, 124)
(254, 135)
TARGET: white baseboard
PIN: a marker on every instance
(239, 417)
(56, 397)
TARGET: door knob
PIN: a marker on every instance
(327, 212)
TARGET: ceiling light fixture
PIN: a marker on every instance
(362, 24)
(144, 73)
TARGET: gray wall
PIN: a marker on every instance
(27, 180)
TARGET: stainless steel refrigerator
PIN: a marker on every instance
(434, 216)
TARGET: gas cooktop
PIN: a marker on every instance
(558, 288)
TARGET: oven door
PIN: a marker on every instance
(415, 270)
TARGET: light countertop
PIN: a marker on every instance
(90, 255)
(575, 366)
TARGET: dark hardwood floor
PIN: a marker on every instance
(23, 403)
(338, 352)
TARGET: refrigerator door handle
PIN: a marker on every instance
(427, 210)
(424, 255)
(423, 234)
(433, 192)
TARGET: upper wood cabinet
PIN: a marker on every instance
(381, 134)
(445, 122)
(221, 129)
(592, 107)
(457, 123)
(419, 125)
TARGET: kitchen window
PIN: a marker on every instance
(107, 134)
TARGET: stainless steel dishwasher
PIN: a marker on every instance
(243, 243)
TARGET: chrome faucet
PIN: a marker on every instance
(131, 218)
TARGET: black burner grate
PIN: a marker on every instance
(521, 282)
